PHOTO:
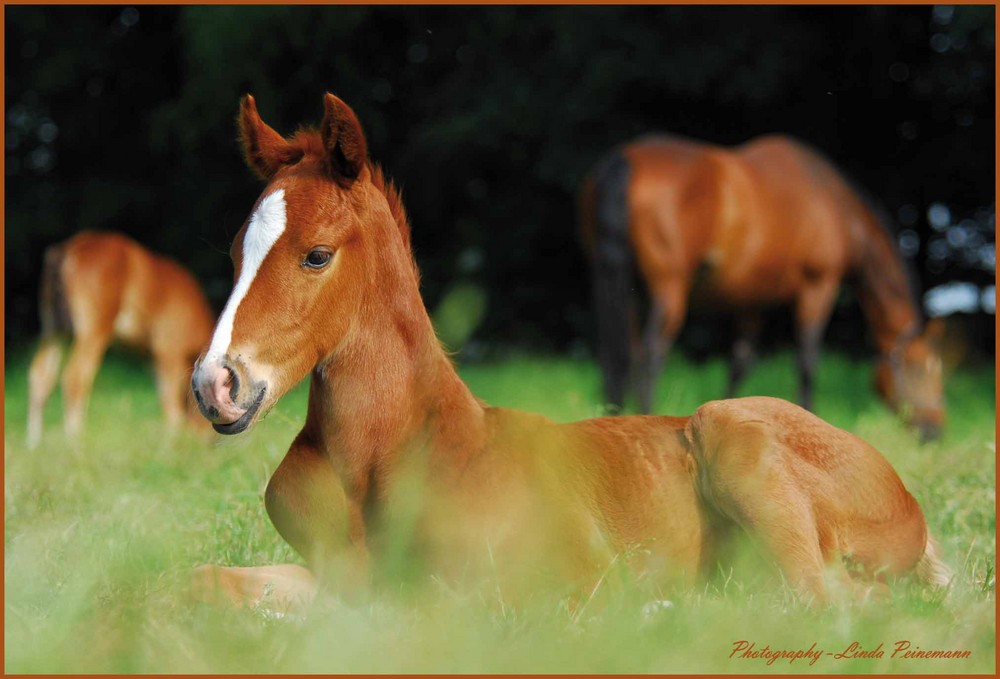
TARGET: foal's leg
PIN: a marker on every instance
(812, 313)
(748, 326)
(307, 503)
(668, 305)
(78, 379)
(42, 377)
(273, 590)
(93, 302)
(172, 378)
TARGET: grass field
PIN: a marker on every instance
(98, 543)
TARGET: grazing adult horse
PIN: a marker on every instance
(394, 443)
(764, 224)
(100, 287)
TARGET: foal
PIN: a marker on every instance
(394, 443)
(99, 287)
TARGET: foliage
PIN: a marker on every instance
(122, 118)
(98, 543)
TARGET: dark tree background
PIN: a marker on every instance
(122, 118)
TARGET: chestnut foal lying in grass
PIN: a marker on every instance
(395, 446)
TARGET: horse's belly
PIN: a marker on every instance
(131, 325)
(135, 314)
(128, 326)
(721, 287)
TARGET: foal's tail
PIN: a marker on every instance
(931, 570)
(55, 320)
(52, 308)
(605, 225)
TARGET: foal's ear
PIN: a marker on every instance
(264, 149)
(343, 140)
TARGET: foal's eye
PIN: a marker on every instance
(318, 258)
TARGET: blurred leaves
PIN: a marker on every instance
(123, 118)
(458, 314)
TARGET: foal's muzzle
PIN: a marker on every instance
(227, 400)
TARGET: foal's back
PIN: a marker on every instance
(811, 494)
(115, 286)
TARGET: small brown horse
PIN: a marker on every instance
(764, 224)
(395, 444)
(101, 287)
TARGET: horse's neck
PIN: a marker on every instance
(391, 387)
(884, 290)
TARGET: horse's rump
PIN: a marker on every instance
(53, 310)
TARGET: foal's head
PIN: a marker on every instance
(910, 379)
(325, 239)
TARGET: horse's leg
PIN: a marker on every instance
(668, 305)
(306, 502)
(78, 378)
(42, 378)
(171, 385)
(273, 590)
(647, 359)
(748, 324)
(615, 309)
(812, 312)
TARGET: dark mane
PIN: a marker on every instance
(882, 270)
(873, 257)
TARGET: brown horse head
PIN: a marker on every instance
(302, 270)
(910, 380)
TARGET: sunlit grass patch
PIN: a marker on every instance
(99, 542)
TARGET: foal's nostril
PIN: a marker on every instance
(234, 382)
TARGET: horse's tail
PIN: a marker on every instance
(605, 224)
(931, 570)
(53, 310)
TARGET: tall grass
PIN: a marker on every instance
(99, 540)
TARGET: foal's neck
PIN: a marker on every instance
(391, 387)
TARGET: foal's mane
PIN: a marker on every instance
(307, 142)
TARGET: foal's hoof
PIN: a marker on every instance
(652, 610)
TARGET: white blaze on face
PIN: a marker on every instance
(266, 225)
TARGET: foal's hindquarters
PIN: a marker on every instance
(542, 505)
(815, 498)
(819, 502)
